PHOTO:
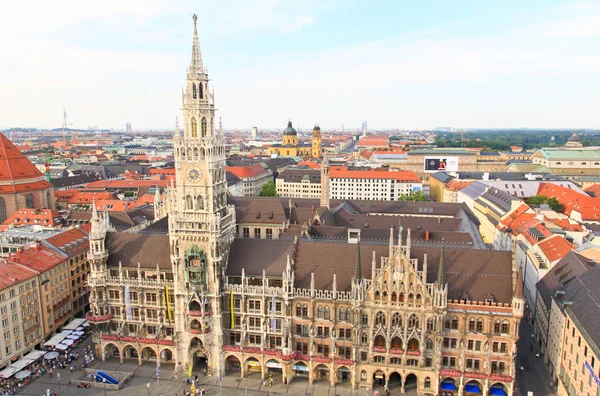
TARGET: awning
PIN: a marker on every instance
(67, 342)
(301, 368)
(7, 372)
(253, 364)
(21, 364)
(379, 375)
(73, 337)
(273, 365)
(448, 386)
(55, 340)
(472, 389)
(497, 392)
(23, 374)
(66, 332)
(34, 355)
(75, 323)
(343, 370)
(62, 347)
(51, 355)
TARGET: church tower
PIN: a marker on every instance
(201, 225)
(316, 142)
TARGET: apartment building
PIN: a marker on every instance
(380, 184)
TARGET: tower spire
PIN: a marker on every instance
(440, 279)
(357, 275)
(196, 65)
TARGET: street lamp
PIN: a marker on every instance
(148, 388)
(58, 377)
(104, 382)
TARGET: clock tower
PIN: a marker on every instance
(201, 225)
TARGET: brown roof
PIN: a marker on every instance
(254, 255)
(131, 249)
(261, 211)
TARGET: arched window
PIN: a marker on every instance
(558, 163)
(447, 323)
(454, 323)
(194, 93)
(348, 315)
(430, 324)
(298, 310)
(505, 327)
(401, 297)
(380, 318)
(413, 344)
(188, 202)
(583, 163)
(429, 344)
(203, 126)
(199, 202)
(570, 163)
(413, 321)
(194, 127)
(29, 201)
(326, 314)
(377, 296)
(418, 299)
(497, 326)
(396, 319)
(320, 312)
(305, 310)
(3, 214)
(396, 343)
(427, 383)
(472, 324)
(365, 319)
(364, 339)
(341, 314)
(201, 91)
(394, 297)
(385, 296)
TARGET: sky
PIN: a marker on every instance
(394, 64)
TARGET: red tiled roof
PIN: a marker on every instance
(243, 172)
(588, 207)
(342, 172)
(45, 217)
(13, 164)
(81, 196)
(71, 242)
(366, 154)
(555, 247)
(593, 190)
(309, 164)
(163, 171)
(375, 140)
(38, 258)
(457, 185)
(13, 273)
(127, 183)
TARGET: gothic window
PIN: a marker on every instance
(380, 318)
(3, 214)
(299, 310)
(497, 326)
(29, 201)
(365, 319)
(194, 128)
(305, 310)
(430, 324)
(379, 342)
(480, 325)
(364, 339)
(201, 91)
(505, 327)
(447, 323)
(455, 323)
(472, 324)
(194, 94)
(394, 297)
(427, 383)
(199, 202)
(188, 202)
(203, 126)
(342, 314)
(326, 314)
(396, 343)
(396, 320)
(320, 312)
(429, 344)
(413, 344)
(401, 297)
(413, 321)
(377, 296)
(385, 296)
(348, 315)
(195, 152)
(418, 300)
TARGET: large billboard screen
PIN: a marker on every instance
(441, 164)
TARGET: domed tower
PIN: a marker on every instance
(290, 136)
(316, 142)
(574, 141)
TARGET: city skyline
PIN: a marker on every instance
(332, 63)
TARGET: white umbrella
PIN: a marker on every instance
(79, 333)
(73, 337)
(79, 328)
(62, 347)
(23, 374)
(51, 355)
(86, 324)
(68, 342)
(66, 332)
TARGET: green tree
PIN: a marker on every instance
(413, 196)
(269, 190)
(538, 200)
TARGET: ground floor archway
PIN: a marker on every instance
(410, 383)
(111, 350)
(395, 381)
(498, 389)
(344, 374)
(321, 372)
(232, 364)
(253, 367)
(300, 372)
(473, 388)
(199, 361)
(148, 353)
(378, 379)
(167, 356)
(129, 352)
(448, 386)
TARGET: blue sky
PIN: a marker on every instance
(406, 64)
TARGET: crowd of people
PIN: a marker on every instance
(44, 366)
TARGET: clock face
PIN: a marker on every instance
(193, 174)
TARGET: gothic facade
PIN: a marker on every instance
(369, 293)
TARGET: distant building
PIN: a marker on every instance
(299, 183)
(235, 186)
(371, 184)
(290, 147)
(253, 176)
(254, 133)
(573, 161)
(128, 127)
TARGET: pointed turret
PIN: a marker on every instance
(357, 275)
(518, 292)
(177, 131)
(440, 279)
(196, 65)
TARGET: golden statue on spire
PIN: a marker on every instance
(195, 18)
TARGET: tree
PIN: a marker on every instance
(413, 196)
(269, 190)
(538, 200)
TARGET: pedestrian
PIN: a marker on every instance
(188, 381)
(522, 369)
(530, 347)
(71, 369)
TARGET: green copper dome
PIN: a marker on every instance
(289, 130)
